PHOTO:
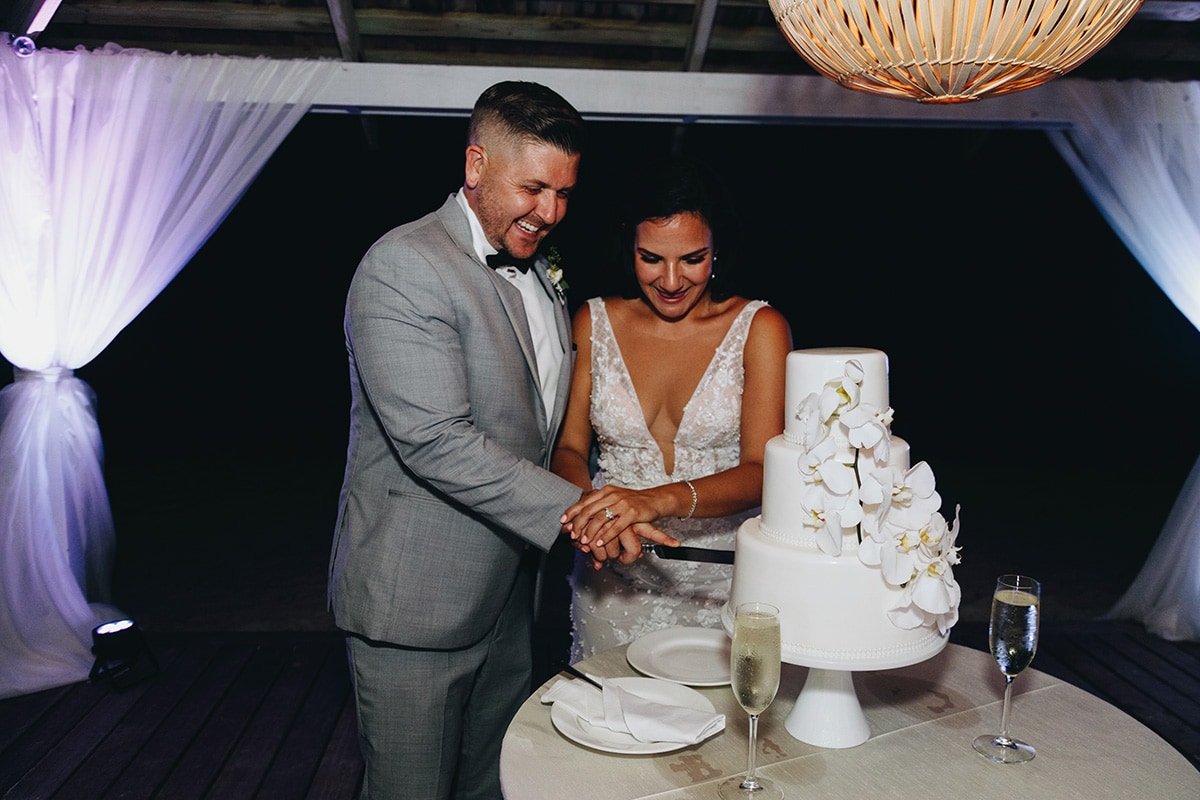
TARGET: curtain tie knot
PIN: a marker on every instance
(51, 374)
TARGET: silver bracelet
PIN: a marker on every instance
(695, 499)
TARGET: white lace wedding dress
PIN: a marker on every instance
(622, 602)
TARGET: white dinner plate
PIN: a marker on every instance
(580, 731)
(695, 656)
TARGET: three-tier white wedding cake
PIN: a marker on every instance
(851, 545)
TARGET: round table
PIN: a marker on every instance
(923, 719)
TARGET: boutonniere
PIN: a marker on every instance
(555, 274)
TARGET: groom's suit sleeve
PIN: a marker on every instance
(440, 363)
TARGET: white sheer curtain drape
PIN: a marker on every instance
(115, 166)
(1135, 147)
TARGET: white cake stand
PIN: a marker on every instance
(827, 712)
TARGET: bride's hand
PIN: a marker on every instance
(602, 514)
(626, 546)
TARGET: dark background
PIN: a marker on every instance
(1034, 364)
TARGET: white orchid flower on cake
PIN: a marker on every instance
(931, 596)
(829, 495)
(900, 525)
(900, 500)
(834, 429)
(848, 483)
(827, 514)
(842, 395)
(813, 428)
(867, 429)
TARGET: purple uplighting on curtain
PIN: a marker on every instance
(115, 166)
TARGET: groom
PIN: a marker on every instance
(459, 374)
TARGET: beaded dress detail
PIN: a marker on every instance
(623, 602)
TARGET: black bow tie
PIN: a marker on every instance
(506, 259)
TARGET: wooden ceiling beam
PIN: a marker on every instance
(28, 17)
(644, 35)
(701, 34)
(240, 19)
(345, 28)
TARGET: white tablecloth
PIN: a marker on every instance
(923, 719)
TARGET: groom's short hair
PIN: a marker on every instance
(527, 111)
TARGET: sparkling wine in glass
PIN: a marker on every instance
(1013, 636)
(754, 661)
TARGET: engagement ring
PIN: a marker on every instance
(608, 513)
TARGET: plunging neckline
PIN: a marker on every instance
(627, 378)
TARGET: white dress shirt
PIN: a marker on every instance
(539, 311)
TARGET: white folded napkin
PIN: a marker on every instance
(645, 720)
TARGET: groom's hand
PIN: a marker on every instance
(626, 547)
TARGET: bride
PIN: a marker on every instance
(680, 384)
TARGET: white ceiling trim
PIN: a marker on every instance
(680, 97)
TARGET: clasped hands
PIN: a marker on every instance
(611, 522)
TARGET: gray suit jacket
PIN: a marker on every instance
(445, 484)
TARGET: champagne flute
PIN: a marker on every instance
(1013, 637)
(754, 662)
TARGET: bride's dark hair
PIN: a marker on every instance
(673, 186)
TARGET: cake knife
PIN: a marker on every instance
(689, 553)
(567, 668)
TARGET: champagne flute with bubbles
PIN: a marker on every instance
(754, 666)
(1013, 637)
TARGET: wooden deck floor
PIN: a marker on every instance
(269, 715)
(244, 715)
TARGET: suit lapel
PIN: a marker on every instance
(562, 323)
(459, 229)
(562, 320)
(514, 307)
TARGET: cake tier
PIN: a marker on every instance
(782, 513)
(809, 370)
(833, 610)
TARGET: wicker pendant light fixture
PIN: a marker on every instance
(948, 51)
